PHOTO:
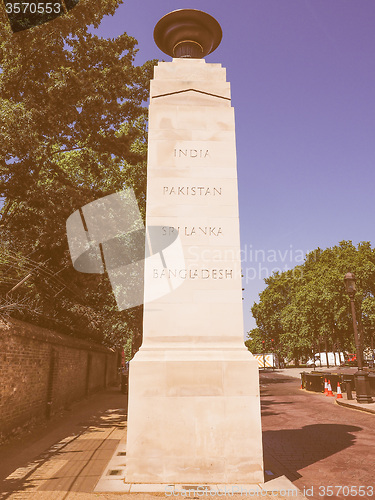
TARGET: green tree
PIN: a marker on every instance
(268, 312)
(308, 307)
(254, 341)
(73, 129)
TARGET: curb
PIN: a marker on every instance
(346, 404)
(355, 406)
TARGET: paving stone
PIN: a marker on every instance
(307, 438)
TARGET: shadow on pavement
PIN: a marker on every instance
(104, 420)
(288, 450)
(267, 378)
(267, 406)
(66, 453)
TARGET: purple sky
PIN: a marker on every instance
(303, 87)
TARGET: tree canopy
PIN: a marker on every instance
(73, 129)
(308, 306)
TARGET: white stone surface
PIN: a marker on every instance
(191, 154)
(280, 487)
(197, 98)
(192, 70)
(165, 87)
(184, 117)
(194, 409)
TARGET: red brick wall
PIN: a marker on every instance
(42, 371)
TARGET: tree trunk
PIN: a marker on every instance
(326, 349)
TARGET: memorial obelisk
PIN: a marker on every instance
(194, 409)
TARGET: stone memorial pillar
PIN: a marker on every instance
(194, 409)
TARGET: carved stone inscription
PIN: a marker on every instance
(191, 230)
(191, 153)
(192, 190)
(192, 274)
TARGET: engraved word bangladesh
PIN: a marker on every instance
(204, 274)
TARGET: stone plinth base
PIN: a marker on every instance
(194, 416)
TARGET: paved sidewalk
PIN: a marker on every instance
(46, 465)
(65, 458)
(352, 403)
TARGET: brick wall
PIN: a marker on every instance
(43, 371)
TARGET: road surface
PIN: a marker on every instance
(316, 443)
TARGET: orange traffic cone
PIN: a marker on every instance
(325, 387)
(339, 393)
(330, 393)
